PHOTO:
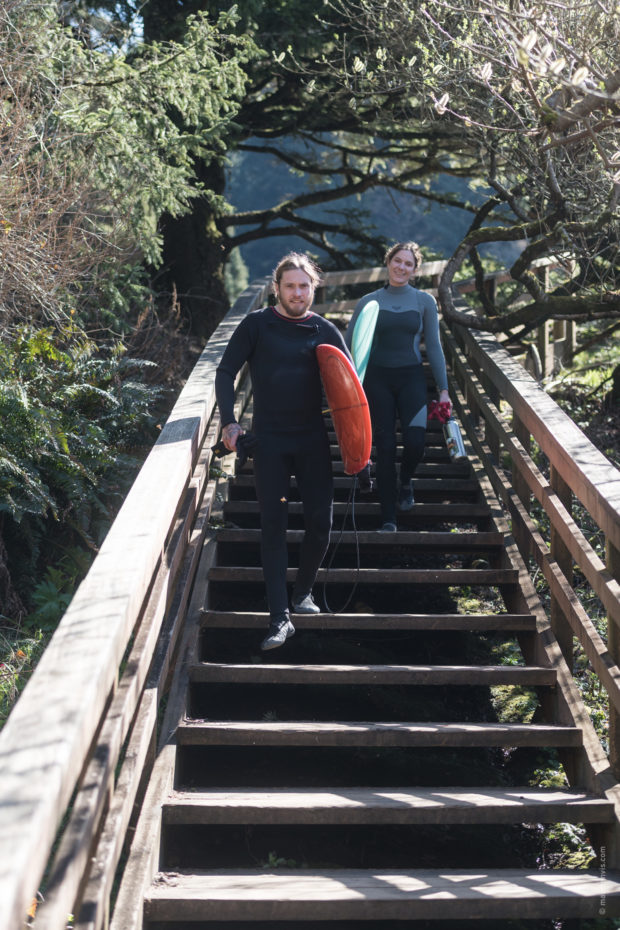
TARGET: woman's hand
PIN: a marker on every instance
(444, 398)
(230, 434)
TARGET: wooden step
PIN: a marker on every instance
(241, 574)
(526, 676)
(359, 894)
(386, 806)
(449, 487)
(443, 540)
(223, 619)
(426, 469)
(450, 512)
(361, 733)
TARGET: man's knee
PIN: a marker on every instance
(319, 524)
(273, 527)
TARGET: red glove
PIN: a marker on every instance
(439, 411)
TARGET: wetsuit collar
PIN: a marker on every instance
(396, 289)
(288, 319)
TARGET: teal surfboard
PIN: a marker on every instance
(363, 335)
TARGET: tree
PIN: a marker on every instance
(360, 94)
(533, 91)
(95, 148)
(299, 110)
(90, 157)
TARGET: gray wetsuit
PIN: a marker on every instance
(394, 379)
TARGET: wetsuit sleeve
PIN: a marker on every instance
(432, 342)
(238, 351)
(332, 335)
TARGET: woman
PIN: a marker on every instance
(384, 336)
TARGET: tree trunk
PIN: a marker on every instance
(193, 255)
(11, 605)
(613, 396)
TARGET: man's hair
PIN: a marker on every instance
(412, 247)
(300, 262)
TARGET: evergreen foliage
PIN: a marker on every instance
(97, 141)
(71, 415)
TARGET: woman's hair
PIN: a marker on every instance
(299, 261)
(412, 247)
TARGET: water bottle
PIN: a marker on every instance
(454, 440)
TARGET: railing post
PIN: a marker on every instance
(521, 486)
(613, 644)
(492, 439)
(543, 344)
(559, 552)
(543, 336)
(571, 339)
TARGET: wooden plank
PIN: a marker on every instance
(592, 477)
(592, 642)
(335, 308)
(377, 273)
(273, 674)
(143, 856)
(589, 766)
(584, 629)
(114, 833)
(95, 902)
(613, 561)
(219, 619)
(445, 486)
(50, 730)
(151, 650)
(450, 512)
(360, 733)
(447, 542)
(449, 576)
(403, 805)
(606, 587)
(381, 894)
(440, 469)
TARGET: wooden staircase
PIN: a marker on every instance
(360, 773)
(404, 760)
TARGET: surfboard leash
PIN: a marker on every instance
(351, 505)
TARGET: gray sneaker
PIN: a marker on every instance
(304, 604)
(387, 528)
(405, 496)
(280, 629)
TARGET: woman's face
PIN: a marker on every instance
(401, 268)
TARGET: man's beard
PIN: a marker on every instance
(295, 309)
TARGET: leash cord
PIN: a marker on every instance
(351, 505)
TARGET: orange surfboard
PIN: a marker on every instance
(348, 407)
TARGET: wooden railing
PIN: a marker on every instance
(506, 412)
(77, 749)
(93, 700)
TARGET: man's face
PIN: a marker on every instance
(295, 293)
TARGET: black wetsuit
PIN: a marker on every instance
(394, 380)
(292, 438)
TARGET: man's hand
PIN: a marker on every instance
(230, 434)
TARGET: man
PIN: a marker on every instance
(279, 342)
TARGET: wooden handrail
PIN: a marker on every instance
(46, 741)
(591, 476)
(486, 371)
